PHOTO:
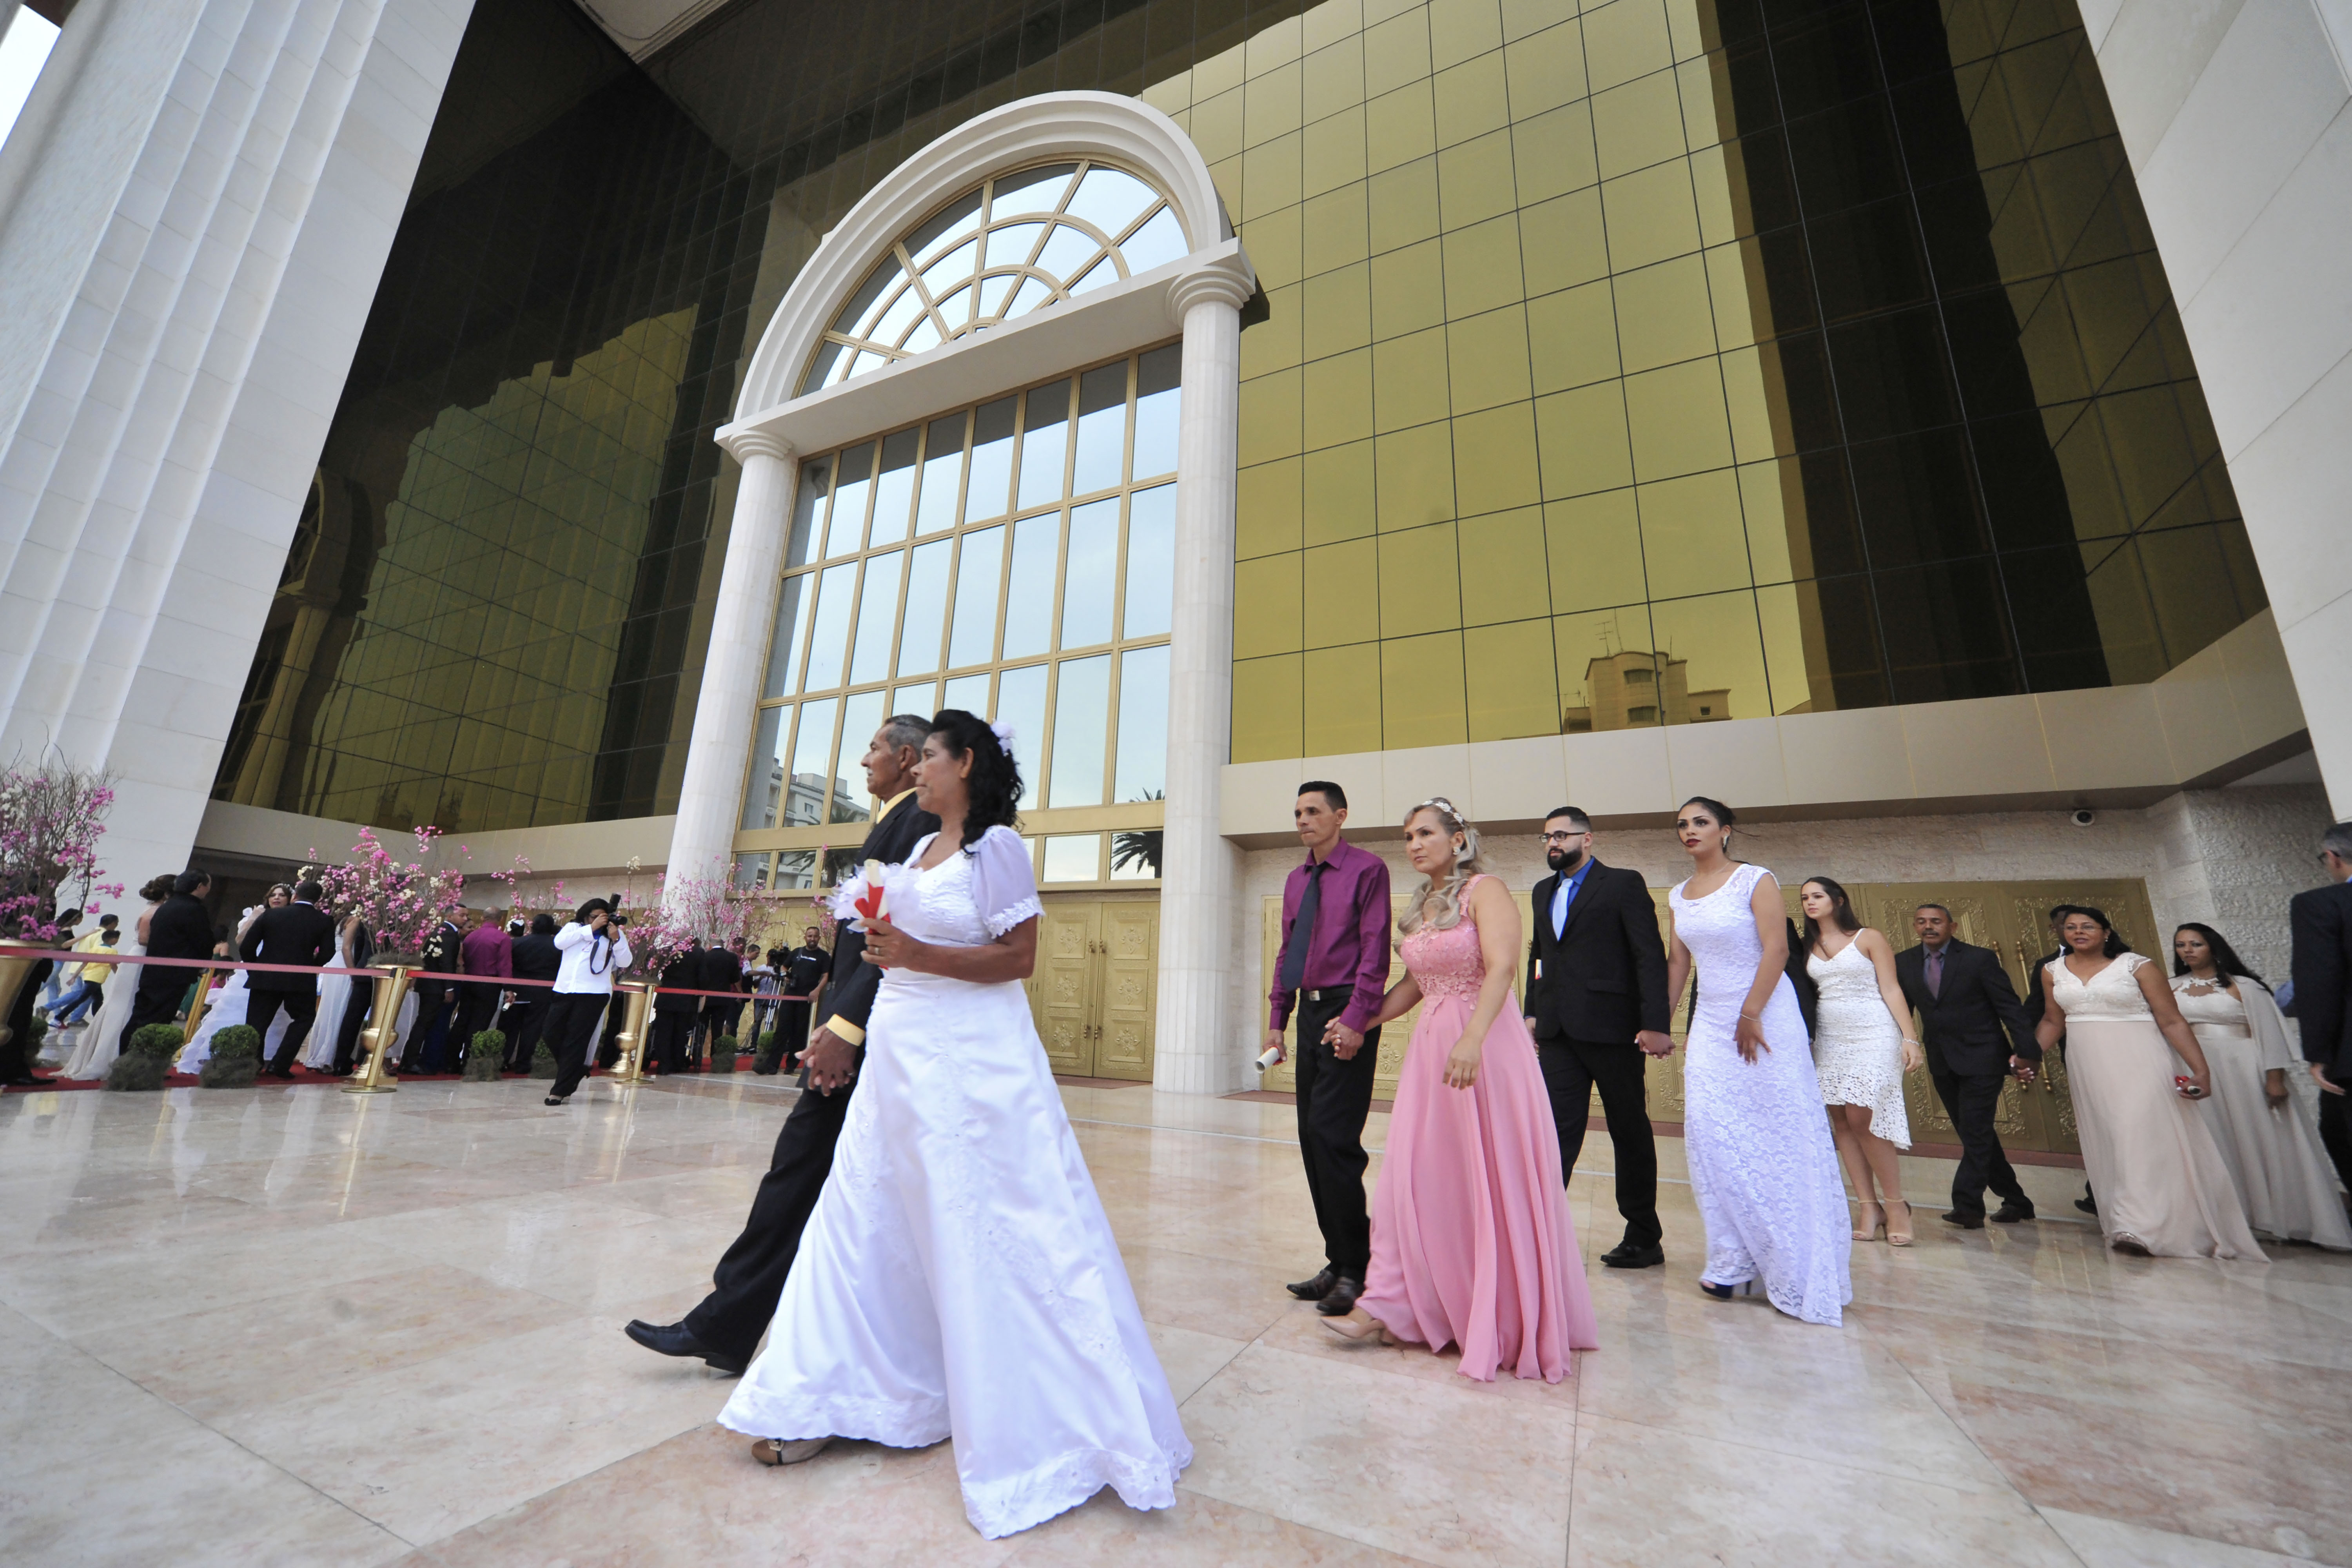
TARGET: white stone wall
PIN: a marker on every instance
(2234, 116)
(192, 222)
(2231, 858)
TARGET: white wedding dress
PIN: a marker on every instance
(101, 1039)
(1762, 1165)
(334, 997)
(959, 1278)
(1857, 1049)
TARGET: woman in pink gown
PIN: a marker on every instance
(1472, 1244)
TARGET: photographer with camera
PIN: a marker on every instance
(595, 950)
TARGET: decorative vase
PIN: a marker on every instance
(13, 974)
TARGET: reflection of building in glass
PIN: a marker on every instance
(1629, 689)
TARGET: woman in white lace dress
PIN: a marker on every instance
(2164, 1189)
(334, 997)
(958, 1277)
(1761, 1164)
(1861, 1048)
(2272, 1151)
(102, 1041)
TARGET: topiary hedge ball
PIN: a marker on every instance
(162, 1040)
(136, 1070)
(236, 1041)
(486, 1055)
(722, 1053)
(542, 1061)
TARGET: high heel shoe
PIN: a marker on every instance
(1898, 1238)
(1869, 1232)
(1366, 1331)
(1725, 1292)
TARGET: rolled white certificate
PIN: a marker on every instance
(1270, 1056)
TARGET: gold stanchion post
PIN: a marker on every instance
(631, 1066)
(381, 1033)
(196, 1015)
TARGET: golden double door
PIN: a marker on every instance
(1097, 984)
(2010, 918)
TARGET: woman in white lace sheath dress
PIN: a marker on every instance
(1761, 1164)
(2274, 1151)
(958, 1277)
(2164, 1189)
(1861, 1048)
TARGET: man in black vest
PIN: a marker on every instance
(300, 932)
(726, 1328)
(1966, 1005)
(1597, 1003)
(180, 928)
(2321, 921)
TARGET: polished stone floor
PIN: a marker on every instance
(293, 1326)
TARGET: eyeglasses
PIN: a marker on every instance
(1563, 837)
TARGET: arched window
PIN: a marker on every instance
(1013, 244)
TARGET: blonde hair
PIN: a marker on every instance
(1467, 865)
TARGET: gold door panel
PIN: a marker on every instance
(1095, 993)
(2007, 916)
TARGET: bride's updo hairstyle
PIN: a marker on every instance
(995, 781)
(1467, 865)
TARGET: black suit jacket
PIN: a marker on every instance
(1962, 1027)
(685, 970)
(2321, 923)
(850, 998)
(2037, 988)
(291, 933)
(1604, 976)
(178, 929)
(536, 958)
(721, 971)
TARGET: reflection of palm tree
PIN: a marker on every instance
(1137, 846)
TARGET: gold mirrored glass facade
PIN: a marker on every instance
(1672, 360)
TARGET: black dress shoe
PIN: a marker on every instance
(27, 1081)
(1965, 1221)
(1315, 1289)
(2010, 1211)
(676, 1339)
(1629, 1255)
(2087, 1205)
(1341, 1299)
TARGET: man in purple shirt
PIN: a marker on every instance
(1334, 968)
(487, 950)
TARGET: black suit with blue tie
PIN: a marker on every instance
(1596, 976)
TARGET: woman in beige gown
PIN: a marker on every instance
(2164, 1190)
(2273, 1152)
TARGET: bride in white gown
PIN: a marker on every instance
(959, 1278)
(1761, 1164)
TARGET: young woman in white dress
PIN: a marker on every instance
(334, 996)
(1861, 1048)
(102, 1042)
(2273, 1154)
(1761, 1163)
(2164, 1190)
(958, 1277)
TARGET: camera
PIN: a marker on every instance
(616, 917)
(2083, 816)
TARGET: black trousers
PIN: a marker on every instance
(1570, 1070)
(301, 1007)
(2336, 1131)
(1970, 1100)
(673, 1036)
(525, 1020)
(791, 1031)
(477, 1009)
(1334, 1098)
(356, 1018)
(571, 1020)
(749, 1278)
(434, 998)
(151, 1004)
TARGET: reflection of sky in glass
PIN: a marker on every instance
(974, 638)
(1081, 730)
(784, 641)
(1090, 577)
(812, 745)
(1102, 430)
(1142, 724)
(1151, 563)
(860, 716)
(1020, 702)
(849, 525)
(1158, 401)
(1045, 444)
(832, 628)
(927, 608)
(761, 797)
(877, 611)
(1029, 598)
(1073, 857)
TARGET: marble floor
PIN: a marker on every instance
(293, 1326)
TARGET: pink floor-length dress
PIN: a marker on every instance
(1472, 1243)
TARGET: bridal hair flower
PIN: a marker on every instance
(1003, 733)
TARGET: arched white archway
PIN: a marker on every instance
(1201, 294)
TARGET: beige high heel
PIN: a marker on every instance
(1367, 1330)
(1869, 1232)
(1898, 1238)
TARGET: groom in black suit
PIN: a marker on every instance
(1596, 1001)
(298, 933)
(726, 1328)
(1966, 1005)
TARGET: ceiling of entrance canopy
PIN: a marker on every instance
(1016, 243)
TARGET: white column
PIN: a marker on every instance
(710, 796)
(1200, 872)
(194, 216)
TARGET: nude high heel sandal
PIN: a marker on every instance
(1868, 1232)
(1898, 1238)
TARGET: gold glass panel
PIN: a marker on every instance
(1267, 502)
(1267, 606)
(1552, 154)
(1637, 124)
(1415, 481)
(1581, 440)
(1503, 567)
(1651, 215)
(1472, 100)
(1572, 337)
(1473, 179)
(1399, 127)
(1622, 42)
(1488, 360)
(1335, 152)
(1511, 691)
(1403, 205)
(1342, 590)
(1678, 420)
(1266, 709)
(1343, 715)
(1563, 242)
(1336, 230)
(1482, 266)
(1544, 71)
(1338, 314)
(1495, 460)
(1408, 290)
(1420, 588)
(1339, 399)
(1593, 549)
(1339, 500)
(1693, 540)
(1664, 316)
(1421, 691)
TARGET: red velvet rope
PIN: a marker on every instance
(503, 982)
